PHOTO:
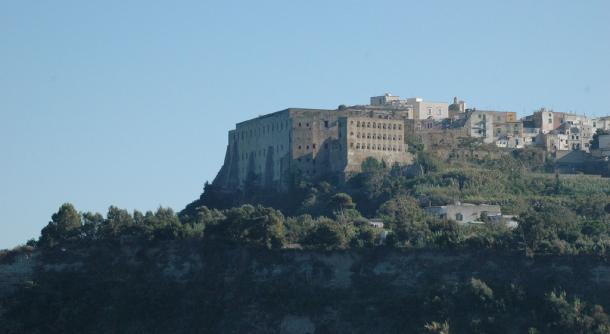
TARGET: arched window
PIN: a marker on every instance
(374, 125)
(368, 125)
(358, 124)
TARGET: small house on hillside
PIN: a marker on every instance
(464, 213)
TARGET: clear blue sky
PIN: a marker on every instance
(129, 102)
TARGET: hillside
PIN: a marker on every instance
(309, 260)
(193, 287)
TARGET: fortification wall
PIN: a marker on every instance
(315, 141)
(382, 139)
(262, 147)
(312, 142)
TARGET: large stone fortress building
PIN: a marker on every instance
(269, 149)
(319, 142)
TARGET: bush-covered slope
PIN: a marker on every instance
(190, 287)
(307, 260)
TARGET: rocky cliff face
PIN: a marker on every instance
(16, 271)
(190, 288)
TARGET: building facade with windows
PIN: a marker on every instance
(311, 142)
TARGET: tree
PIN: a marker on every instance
(595, 139)
(267, 229)
(543, 223)
(401, 209)
(165, 224)
(371, 165)
(406, 218)
(327, 234)
(91, 224)
(428, 162)
(575, 316)
(366, 236)
(254, 225)
(67, 218)
(116, 221)
(63, 226)
(341, 201)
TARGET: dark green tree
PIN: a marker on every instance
(329, 235)
(63, 226)
(595, 139)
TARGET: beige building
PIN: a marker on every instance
(602, 123)
(554, 142)
(480, 124)
(464, 213)
(386, 99)
(547, 120)
(312, 142)
(382, 139)
(415, 108)
(458, 106)
(424, 110)
(508, 129)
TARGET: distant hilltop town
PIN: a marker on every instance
(317, 142)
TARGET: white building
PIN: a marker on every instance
(385, 99)
(416, 107)
(425, 110)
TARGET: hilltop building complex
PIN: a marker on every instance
(269, 149)
(312, 142)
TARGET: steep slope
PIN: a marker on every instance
(189, 287)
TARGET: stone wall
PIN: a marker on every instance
(382, 139)
(310, 141)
